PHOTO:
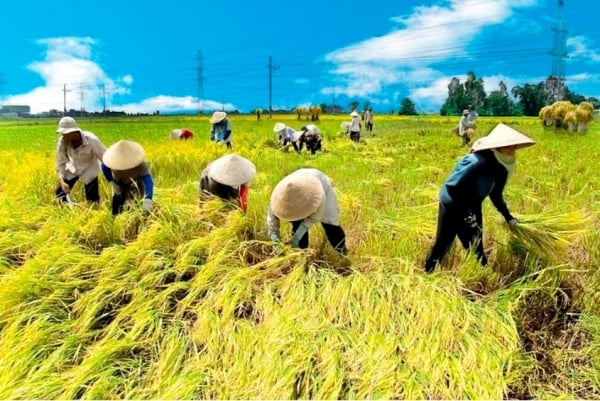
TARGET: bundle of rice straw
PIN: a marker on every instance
(549, 234)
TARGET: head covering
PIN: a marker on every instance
(175, 134)
(354, 114)
(465, 111)
(279, 127)
(232, 170)
(66, 125)
(124, 155)
(297, 196)
(217, 117)
(501, 136)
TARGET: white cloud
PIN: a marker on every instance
(431, 34)
(72, 79)
(580, 50)
(173, 104)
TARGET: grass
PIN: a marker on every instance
(190, 302)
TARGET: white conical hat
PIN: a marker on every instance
(501, 136)
(231, 170)
(124, 155)
(217, 117)
(297, 196)
(279, 127)
(354, 114)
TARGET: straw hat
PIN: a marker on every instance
(66, 125)
(297, 196)
(124, 155)
(354, 114)
(232, 170)
(217, 117)
(501, 136)
(279, 127)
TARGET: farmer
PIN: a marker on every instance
(479, 174)
(181, 133)
(221, 128)
(368, 117)
(78, 155)
(463, 128)
(287, 136)
(355, 127)
(228, 178)
(311, 137)
(306, 197)
(128, 174)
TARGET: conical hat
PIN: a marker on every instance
(297, 196)
(501, 136)
(279, 127)
(354, 114)
(232, 170)
(124, 155)
(217, 117)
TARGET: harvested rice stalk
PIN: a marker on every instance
(548, 235)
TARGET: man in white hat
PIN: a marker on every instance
(304, 198)
(355, 127)
(221, 128)
(463, 128)
(125, 168)
(368, 117)
(228, 178)
(287, 135)
(310, 136)
(479, 174)
(78, 155)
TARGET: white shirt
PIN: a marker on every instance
(83, 162)
(328, 212)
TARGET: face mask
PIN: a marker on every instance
(508, 161)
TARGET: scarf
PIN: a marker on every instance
(509, 162)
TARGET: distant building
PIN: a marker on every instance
(15, 111)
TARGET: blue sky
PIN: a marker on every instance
(141, 56)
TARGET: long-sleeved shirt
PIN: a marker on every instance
(221, 131)
(463, 125)
(476, 176)
(82, 162)
(355, 125)
(132, 180)
(328, 211)
(287, 134)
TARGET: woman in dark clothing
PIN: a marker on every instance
(228, 178)
(479, 174)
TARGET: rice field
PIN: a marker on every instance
(190, 302)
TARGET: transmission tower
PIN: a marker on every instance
(556, 81)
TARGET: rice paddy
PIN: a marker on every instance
(191, 302)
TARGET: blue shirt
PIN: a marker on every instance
(475, 177)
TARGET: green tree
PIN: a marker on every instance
(498, 103)
(531, 97)
(456, 101)
(407, 108)
(474, 92)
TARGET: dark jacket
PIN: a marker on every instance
(476, 176)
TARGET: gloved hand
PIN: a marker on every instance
(513, 222)
(471, 220)
(148, 205)
(116, 188)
